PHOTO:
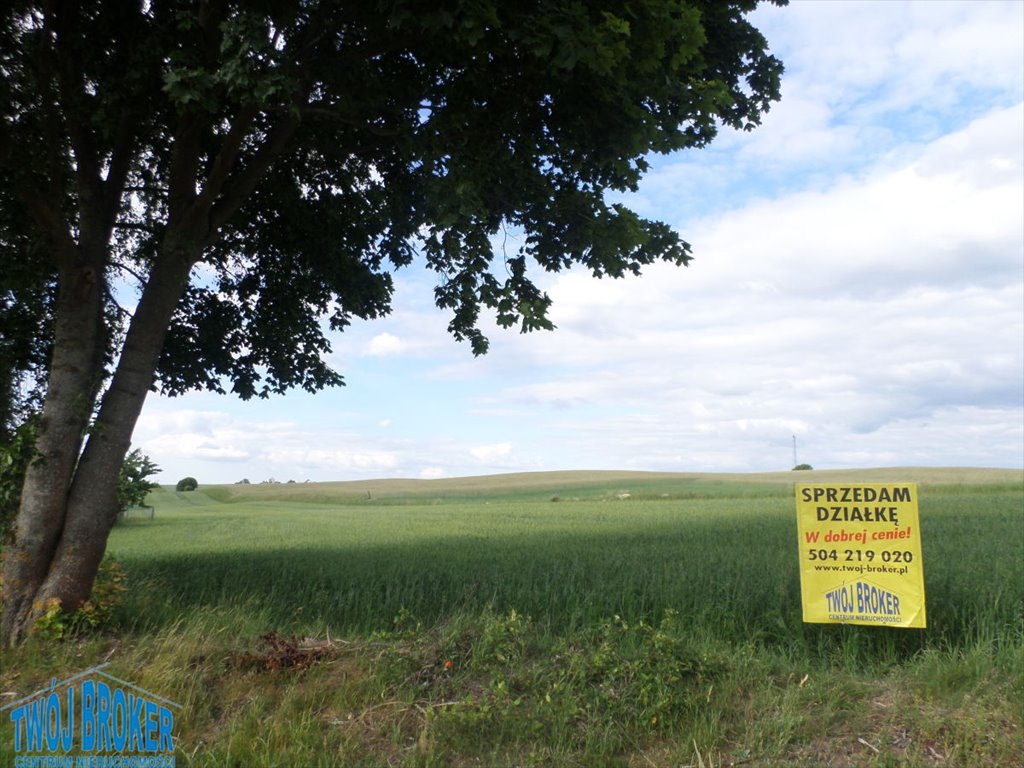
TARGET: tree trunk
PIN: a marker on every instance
(75, 368)
(92, 500)
(68, 508)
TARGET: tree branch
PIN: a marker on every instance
(241, 185)
(110, 297)
(135, 225)
(130, 271)
(184, 164)
(146, 188)
(318, 109)
(43, 208)
(224, 162)
(121, 156)
(70, 82)
(48, 218)
(99, 197)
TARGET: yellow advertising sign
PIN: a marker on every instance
(860, 554)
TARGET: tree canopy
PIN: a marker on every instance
(190, 188)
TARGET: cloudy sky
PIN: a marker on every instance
(858, 285)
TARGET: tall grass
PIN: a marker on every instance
(721, 555)
(564, 619)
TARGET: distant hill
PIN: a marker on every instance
(591, 483)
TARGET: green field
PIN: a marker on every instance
(573, 618)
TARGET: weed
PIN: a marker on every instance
(95, 613)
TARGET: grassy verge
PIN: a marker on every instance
(637, 620)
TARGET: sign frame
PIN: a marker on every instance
(860, 554)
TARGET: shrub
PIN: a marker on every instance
(802, 466)
(186, 484)
(96, 612)
(132, 485)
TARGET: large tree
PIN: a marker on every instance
(189, 187)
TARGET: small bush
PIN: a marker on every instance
(132, 485)
(95, 614)
(186, 484)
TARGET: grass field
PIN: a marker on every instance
(576, 619)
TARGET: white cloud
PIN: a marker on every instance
(180, 440)
(384, 344)
(950, 214)
(337, 460)
(491, 454)
(220, 452)
(896, 56)
(896, 74)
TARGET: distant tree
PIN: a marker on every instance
(257, 167)
(132, 483)
(186, 484)
(802, 467)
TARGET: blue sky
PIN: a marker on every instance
(858, 283)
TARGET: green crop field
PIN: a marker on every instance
(572, 618)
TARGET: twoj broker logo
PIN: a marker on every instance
(863, 602)
(92, 720)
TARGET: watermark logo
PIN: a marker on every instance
(93, 720)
